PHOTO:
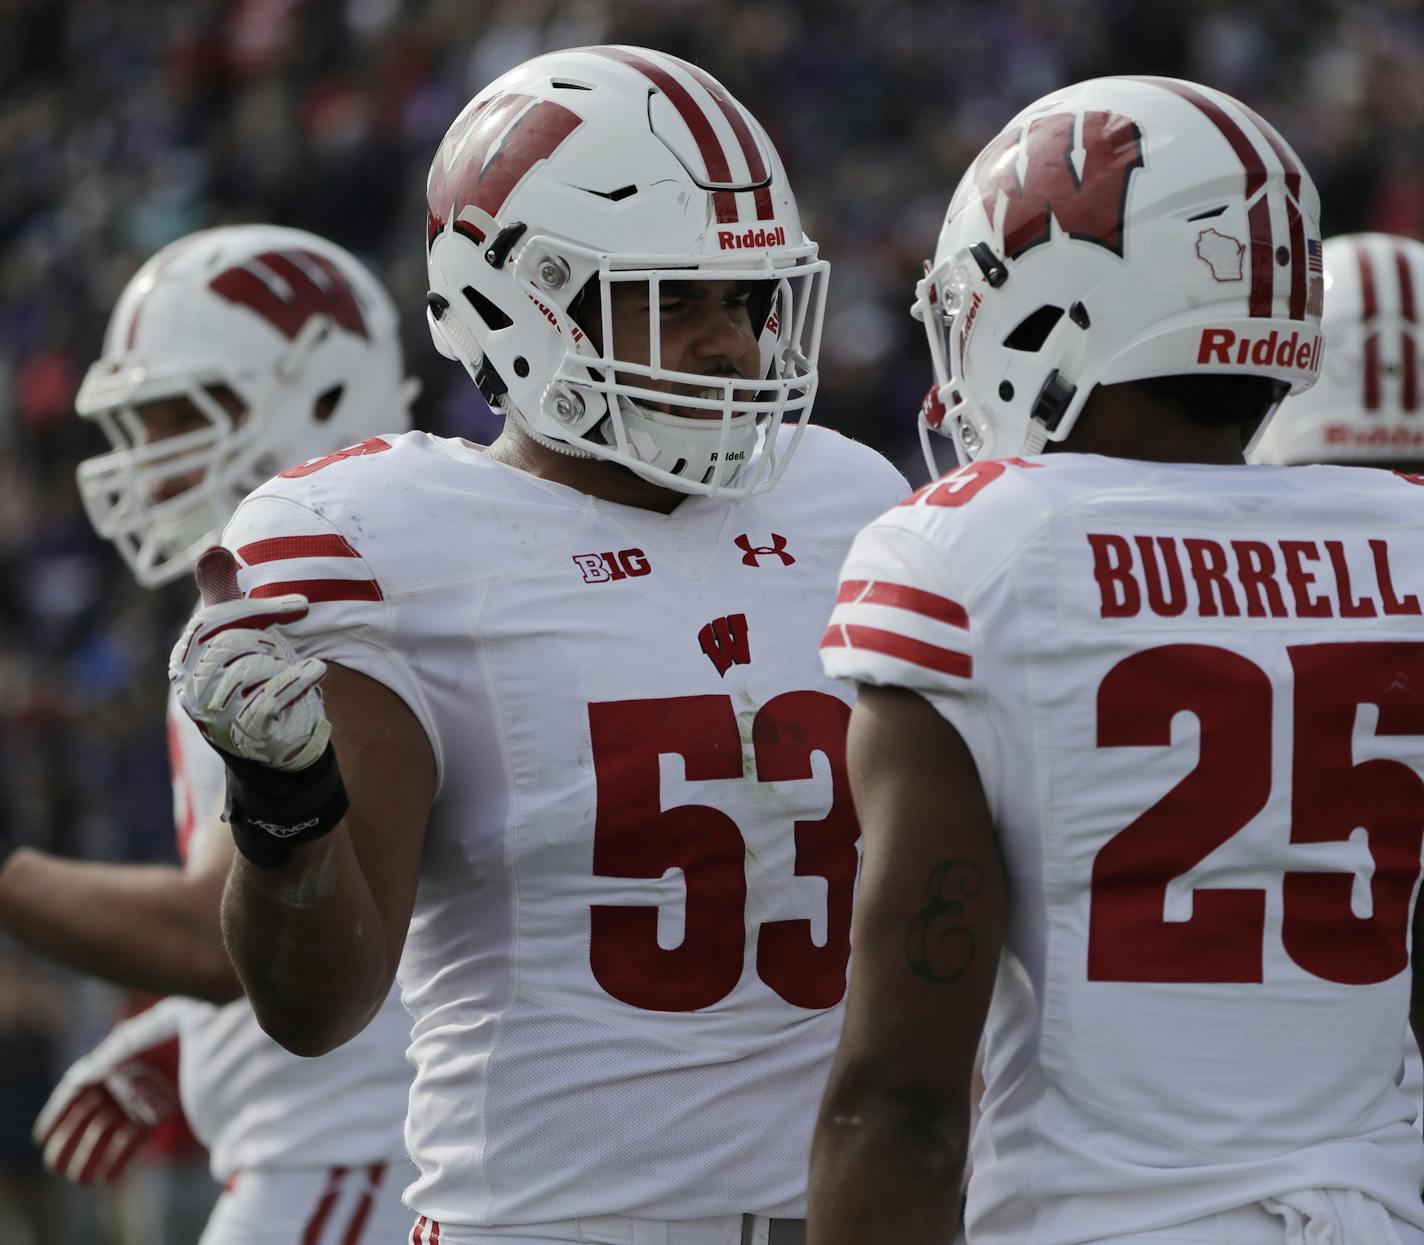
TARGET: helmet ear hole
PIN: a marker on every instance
(326, 405)
(1032, 331)
(487, 311)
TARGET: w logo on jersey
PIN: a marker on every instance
(1076, 170)
(287, 288)
(469, 183)
(726, 643)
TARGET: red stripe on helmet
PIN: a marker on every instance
(1372, 372)
(713, 156)
(755, 166)
(1298, 262)
(1369, 307)
(1297, 228)
(1369, 304)
(1244, 148)
(1409, 391)
(1262, 238)
(1409, 388)
(1406, 283)
(1278, 145)
(1263, 253)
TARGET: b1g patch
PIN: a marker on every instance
(604, 568)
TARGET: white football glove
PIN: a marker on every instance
(237, 676)
(110, 1101)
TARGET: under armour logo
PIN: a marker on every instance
(724, 640)
(777, 549)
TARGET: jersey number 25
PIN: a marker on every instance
(1333, 799)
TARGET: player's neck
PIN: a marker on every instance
(1119, 423)
(607, 481)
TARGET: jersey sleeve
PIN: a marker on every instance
(284, 545)
(902, 620)
(897, 620)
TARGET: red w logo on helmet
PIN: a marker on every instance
(287, 288)
(466, 176)
(1081, 180)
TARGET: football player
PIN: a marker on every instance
(584, 770)
(1365, 410)
(1139, 734)
(231, 354)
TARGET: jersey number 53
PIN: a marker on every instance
(635, 837)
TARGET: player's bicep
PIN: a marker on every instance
(389, 770)
(930, 913)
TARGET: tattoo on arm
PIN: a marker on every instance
(937, 944)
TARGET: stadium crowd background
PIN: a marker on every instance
(125, 125)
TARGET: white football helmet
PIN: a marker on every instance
(1116, 230)
(587, 168)
(294, 326)
(1369, 404)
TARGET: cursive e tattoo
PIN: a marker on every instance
(937, 944)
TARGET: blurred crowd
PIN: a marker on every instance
(123, 126)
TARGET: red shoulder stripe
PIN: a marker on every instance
(900, 647)
(902, 596)
(280, 548)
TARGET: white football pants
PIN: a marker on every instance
(1318, 1217)
(314, 1206)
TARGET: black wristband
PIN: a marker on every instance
(271, 811)
(7, 849)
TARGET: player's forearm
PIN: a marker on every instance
(309, 944)
(887, 1165)
(148, 927)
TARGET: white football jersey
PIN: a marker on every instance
(629, 947)
(1195, 698)
(250, 1102)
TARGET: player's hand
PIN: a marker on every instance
(238, 678)
(109, 1102)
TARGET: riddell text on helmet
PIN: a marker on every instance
(1272, 350)
(1393, 437)
(730, 241)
